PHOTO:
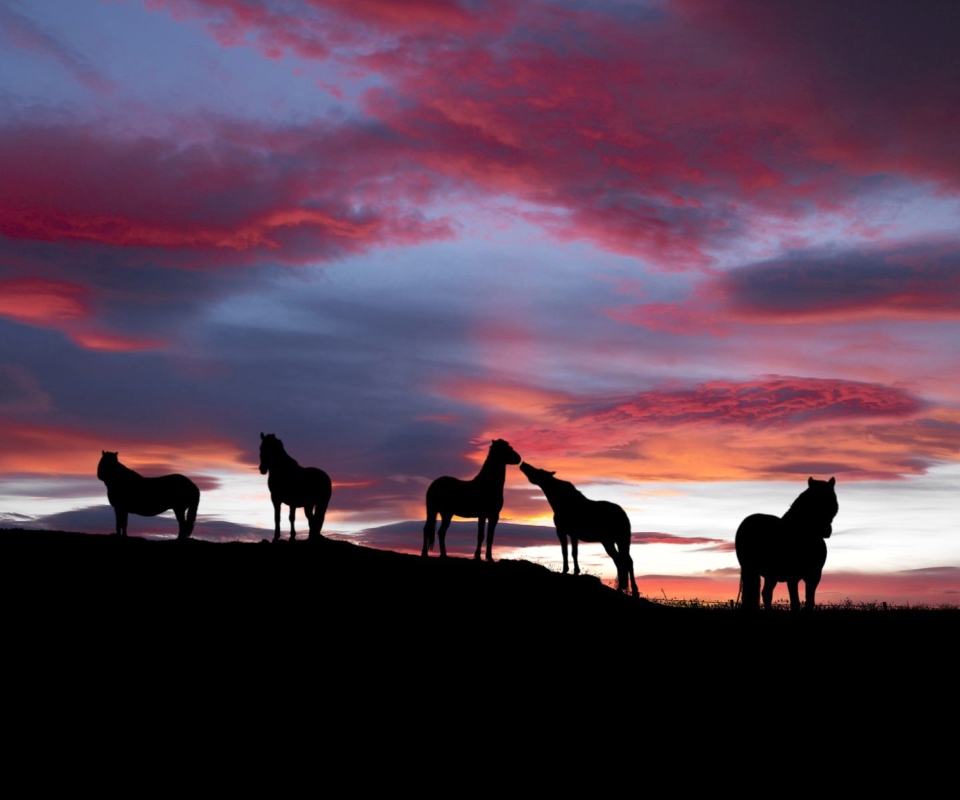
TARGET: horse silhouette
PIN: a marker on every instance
(481, 497)
(790, 548)
(130, 493)
(308, 488)
(581, 519)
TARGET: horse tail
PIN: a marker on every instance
(429, 530)
(192, 513)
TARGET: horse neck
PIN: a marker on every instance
(121, 474)
(557, 491)
(492, 472)
(800, 514)
(283, 462)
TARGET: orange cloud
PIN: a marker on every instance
(35, 301)
(59, 450)
(776, 428)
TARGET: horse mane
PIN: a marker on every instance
(113, 469)
(282, 457)
(813, 503)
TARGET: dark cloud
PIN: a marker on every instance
(919, 282)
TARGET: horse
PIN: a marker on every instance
(481, 497)
(581, 519)
(308, 488)
(790, 548)
(131, 493)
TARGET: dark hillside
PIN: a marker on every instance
(331, 613)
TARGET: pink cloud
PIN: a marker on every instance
(661, 134)
(237, 201)
(775, 428)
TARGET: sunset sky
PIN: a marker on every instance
(686, 254)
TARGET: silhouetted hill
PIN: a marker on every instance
(333, 615)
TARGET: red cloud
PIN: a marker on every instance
(777, 428)
(771, 401)
(42, 302)
(65, 307)
(291, 196)
(658, 132)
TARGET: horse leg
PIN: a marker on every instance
(276, 518)
(442, 533)
(491, 527)
(481, 521)
(563, 548)
(573, 546)
(810, 584)
(619, 564)
(192, 516)
(318, 516)
(429, 528)
(750, 590)
(181, 515)
(121, 519)
(769, 584)
(308, 513)
(793, 586)
(633, 581)
(293, 515)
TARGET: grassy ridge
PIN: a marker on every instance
(315, 612)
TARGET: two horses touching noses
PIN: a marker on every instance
(575, 516)
(790, 548)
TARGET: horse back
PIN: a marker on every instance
(591, 520)
(148, 497)
(454, 497)
(304, 486)
(775, 549)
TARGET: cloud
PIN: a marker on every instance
(772, 428)
(665, 133)
(20, 31)
(916, 283)
(248, 195)
(20, 392)
(772, 400)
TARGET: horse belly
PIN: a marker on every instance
(758, 544)
(142, 503)
(454, 497)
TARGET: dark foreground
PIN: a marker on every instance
(328, 626)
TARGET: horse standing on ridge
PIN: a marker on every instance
(308, 488)
(481, 497)
(582, 519)
(790, 548)
(130, 493)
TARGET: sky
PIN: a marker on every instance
(685, 254)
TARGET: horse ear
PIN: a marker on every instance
(551, 474)
(262, 436)
(810, 482)
(831, 482)
(103, 452)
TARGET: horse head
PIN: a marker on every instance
(820, 505)
(538, 477)
(502, 452)
(270, 448)
(108, 464)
